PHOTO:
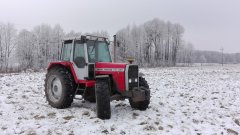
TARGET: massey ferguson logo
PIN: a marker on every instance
(110, 69)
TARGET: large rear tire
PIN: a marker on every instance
(103, 98)
(142, 105)
(59, 87)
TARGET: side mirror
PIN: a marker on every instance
(80, 62)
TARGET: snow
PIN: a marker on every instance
(184, 100)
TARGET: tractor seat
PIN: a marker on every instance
(80, 62)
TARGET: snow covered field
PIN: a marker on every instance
(184, 100)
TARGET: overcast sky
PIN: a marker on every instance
(209, 24)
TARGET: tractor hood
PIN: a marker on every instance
(115, 70)
(120, 74)
(109, 67)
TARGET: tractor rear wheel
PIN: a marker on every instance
(59, 87)
(103, 98)
(141, 105)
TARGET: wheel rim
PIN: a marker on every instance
(54, 89)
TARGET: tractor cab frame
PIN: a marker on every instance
(84, 53)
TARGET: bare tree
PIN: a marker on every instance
(7, 44)
(25, 49)
(123, 48)
(43, 34)
(177, 39)
(58, 35)
(1, 48)
(202, 59)
(159, 42)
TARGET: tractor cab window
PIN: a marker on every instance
(98, 51)
(79, 55)
(67, 48)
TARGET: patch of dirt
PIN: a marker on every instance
(68, 117)
(149, 128)
(51, 115)
(86, 113)
(232, 132)
(237, 122)
(37, 117)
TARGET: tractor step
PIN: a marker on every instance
(79, 91)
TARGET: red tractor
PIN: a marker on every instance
(85, 68)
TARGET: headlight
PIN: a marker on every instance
(130, 80)
(136, 80)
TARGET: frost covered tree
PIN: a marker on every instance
(58, 35)
(26, 49)
(43, 41)
(1, 48)
(39, 46)
(73, 34)
(177, 39)
(154, 43)
(101, 33)
(7, 44)
(202, 59)
(124, 50)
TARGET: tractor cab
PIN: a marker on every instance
(86, 68)
(84, 53)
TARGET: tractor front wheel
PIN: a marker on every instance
(103, 98)
(59, 87)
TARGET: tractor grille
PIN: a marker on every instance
(133, 76)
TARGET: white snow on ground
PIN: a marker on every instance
(185, 100)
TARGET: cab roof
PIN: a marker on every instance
(86, 37)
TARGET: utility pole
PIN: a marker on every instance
(222, 55)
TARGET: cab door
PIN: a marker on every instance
(80, 60)
(66, 50)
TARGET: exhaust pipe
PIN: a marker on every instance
(114, 47)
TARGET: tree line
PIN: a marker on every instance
(7, 44)
(215, 57)
(154, 43)
(32, 49)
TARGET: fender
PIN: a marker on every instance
(69, 65)
(65, 64)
